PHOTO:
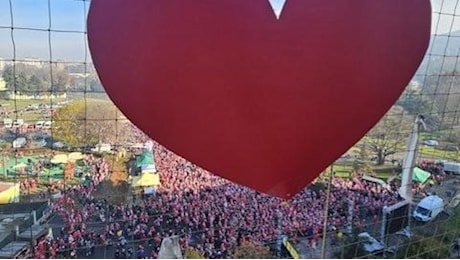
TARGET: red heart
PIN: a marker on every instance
(262, 102)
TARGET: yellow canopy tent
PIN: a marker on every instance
(9, 192)
(146, 179)
(75, 156)
(59, 158)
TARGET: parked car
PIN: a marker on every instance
(60, 145)
(39, 124)
(18, 123)
(47, 125)
(431, 143)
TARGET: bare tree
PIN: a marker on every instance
(390, 134)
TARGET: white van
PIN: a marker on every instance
(428, 208)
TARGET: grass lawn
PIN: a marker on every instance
(343, 170)
(384, 171)
(24, 103)
(433, 135)
(32, 117)
(37, 115)
(81, 95)
(431, 152)
(20, 104)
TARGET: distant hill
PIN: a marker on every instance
(436, 79)
(442, 56)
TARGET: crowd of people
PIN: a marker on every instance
(73, 208)
(206, 212)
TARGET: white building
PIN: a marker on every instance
(31, 62)
(2, 63)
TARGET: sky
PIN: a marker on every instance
(70, 15)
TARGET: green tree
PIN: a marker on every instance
(67, 123)
(22, 84)
(16, 79)
(36, 85)
(91, 122)
(249, 250)
(389, 134)
(31, 79)
(8, 76)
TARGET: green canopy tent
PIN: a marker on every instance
(420, 175)
(145, 157)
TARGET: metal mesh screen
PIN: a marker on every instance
(65, 143)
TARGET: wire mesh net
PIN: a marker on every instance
(63, 142)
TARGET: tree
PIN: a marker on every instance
(389, 134)
(91, 122)
(31, 79)
(417, 103)
(36, 85)
(61, 81)
(8, 77)
(16, 80)
(21, 85)
(361, 162)
(250, 250)
(96, 86)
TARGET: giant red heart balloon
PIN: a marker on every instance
(263, 102)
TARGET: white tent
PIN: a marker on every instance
(59, 158)
(75, 156)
